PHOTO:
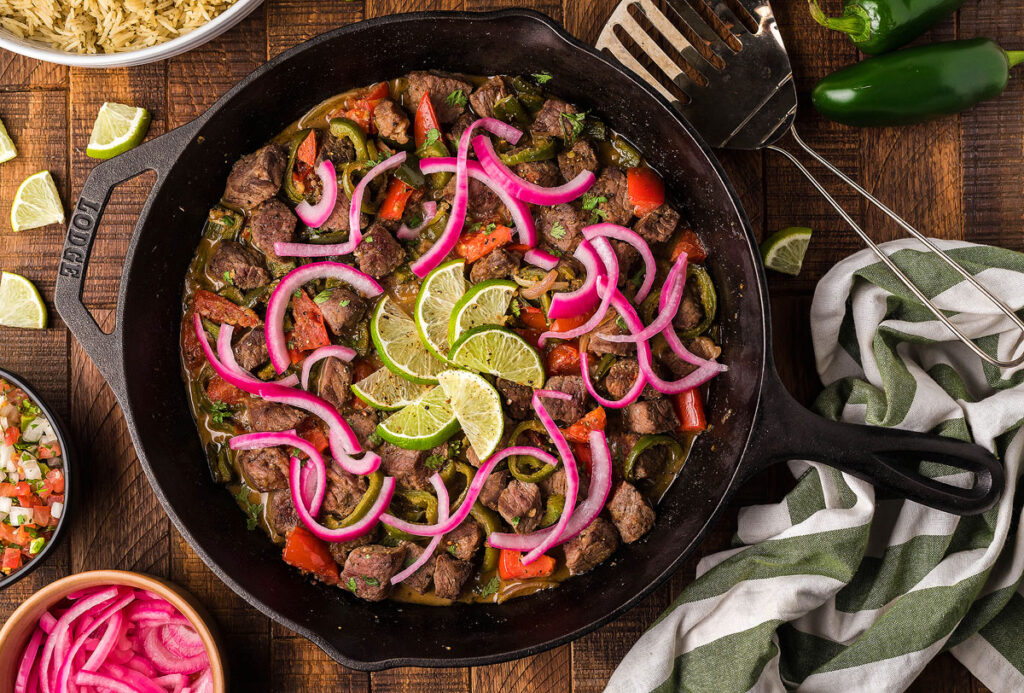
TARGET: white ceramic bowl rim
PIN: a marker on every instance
(218, 25)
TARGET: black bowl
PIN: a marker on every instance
(67, 457)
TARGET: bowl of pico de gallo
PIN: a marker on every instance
(34, 454)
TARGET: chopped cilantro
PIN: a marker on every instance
(344, 302)
(371, 581)
(573, 125)
(621, 323)
(251, 509)
(638, 278)
(219, 411)
(367, 239)
(352, 584)
(452, 549)
(434, 461)
(492, 587)
(322, 297)
(515, 307)
(456, 98)
(415, 220)
(558, 231)
(227, 278)
(515, 521)
(374, 439)
(542, 77)
(433, 135)
(298, 292)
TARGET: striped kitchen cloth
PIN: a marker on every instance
(839, 588)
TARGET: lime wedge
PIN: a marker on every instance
(484, 304)
(477, 407)
(37, 203)
(501, 352)
(20, 303)
(117, 129)
(422, 425)
(398, 345)
(7, 149)
(382, 389)
(784, 250)
(439, 292)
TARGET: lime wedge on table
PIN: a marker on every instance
(382, 389)
(784, 250)
(20, 303)
(398, 345)
(439, 292)
(501, 352)
(484, 304)
(7, 149)
(477, 407)
(422, 425)
(37, 203)
(117, 129)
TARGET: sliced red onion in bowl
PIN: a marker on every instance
(540, 258)
(253, 441)
(668, 306)
(292, 282)
(443, 508)
(525, 190)
(603, 249)
(336, 350)
(429, 212)
(621, 233)
(314, 216)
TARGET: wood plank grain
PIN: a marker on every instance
(292, 21)
(552, 8)
(418, 680)
(19, 73)
(380, 8)
(548, 672)
(584, 20)
(298, 665)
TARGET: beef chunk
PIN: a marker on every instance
(651, 462)
(256, 177)
(630, 512)
(272, 222)
(650, 416)
(600, 347)
(591, 547)
(620, 379)
(440, 88)
(491, 491)
(423, 578)
(334, 382)
(343, 491)
(363, 423)
(567, 411)
(405, 465)
(454, 133)
(339, 150)
(691, 311)
(518, 398)
(340, 550)
(539, 172)
(251, 350)
(611, 184)
(561, 226)
(273, 416)
(379, 253)
(555, 484)
(520, 505)
(483, 203)
(338, 220)
(242, 265)
(497, 264)
(280, 512)
(266, 469)
(659, 225)
(342, 310)
(369, 569)
(701, 346)
(626, 255)
(581, 157)
(549, 121)
(487, 94)
(463, 541)
(450, 574)
(391, 121)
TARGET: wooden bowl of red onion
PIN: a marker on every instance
(111, 629)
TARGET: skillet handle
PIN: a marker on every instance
(157, 155)
(887, 457)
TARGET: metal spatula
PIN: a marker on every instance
(723, 65)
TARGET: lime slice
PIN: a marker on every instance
(484, 304)
(117, 129)
(784, 250)
(20, 303)
(7, 149)
(440, 291)
(422, 425)
(398, 345)
(382, 389)
(501, 352)
(37, 203)
(477, 407)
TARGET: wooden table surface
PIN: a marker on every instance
(956, 178)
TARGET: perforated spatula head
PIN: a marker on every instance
(722, 63)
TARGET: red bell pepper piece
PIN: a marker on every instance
(309, 332)
(579, 432)
(566, 324)
(532, 336)
(11, 435)
(424, 121)
(533, 317)
(473, 245)
(511, 567)
(646, 190)
(564, 359)
(219, 390)
(689, 242)
(11, 561)
(394, 202)
(689, 408)
(581, 451)
(307, 553)
(219, 309)
(309, 430)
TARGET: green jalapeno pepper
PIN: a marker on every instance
(879, 26)
(328, 238)
(455, 470)
(394, 537)
(603, 366)
(360, 339)
(233, 294)
(529, 94)
(343, 128)
(708, 299)
(436, 148)
(595, 129)
(511, 111)
(417, 506)
(644, 444)
(222, 224)
(220, 463)
(374, 484)
(916, 84)
(349, 185)
(489, 521)
(253, 296)
(211, 327)
(267, 372)
(279, 269)
(552, 510)
(293, 193)
(541, 149)
(207, 405)
(528, 469)
(409, 172)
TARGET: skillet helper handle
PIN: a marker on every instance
(157, 155)
(886, 457)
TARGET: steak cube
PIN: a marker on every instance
(251, 350)
(650, 416)
(342, 310)
(241, 265)
(272, 416)
(463, 541)
(272, 222)
(632, 516)
(520, 505)
(567, 411)
(369, 569)
(334, 382)
(256, 177)
(450, 574)
(265, 469)
(440, 88)
(591, 547)
(379, 253)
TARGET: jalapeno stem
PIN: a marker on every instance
(854, 21)
(1015, 58)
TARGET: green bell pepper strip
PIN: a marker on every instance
(293, 148)
(603, 366)
(253, 296)
(489, 520)
(511, 111)
(222, 223)
(625, 155)
(644, 444)
(374, 484)
(220, 462)
(552, 510)
(708, 300)
(916, 84)
(541, 149)
(529, 94)
(343, 128)
(879, 26)
(525, 468)
(349, 185)
(435, 149)
(457, 469)
(233, 294)
(409, 172)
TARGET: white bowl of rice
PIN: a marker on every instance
(109, 33)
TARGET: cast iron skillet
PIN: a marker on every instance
(755, 420)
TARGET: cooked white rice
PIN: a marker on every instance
(106, 26)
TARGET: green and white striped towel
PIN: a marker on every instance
(838, 588)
